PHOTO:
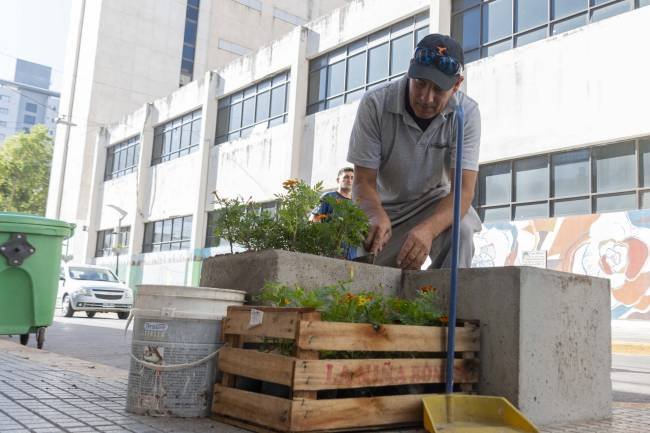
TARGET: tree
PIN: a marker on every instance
(25, 162)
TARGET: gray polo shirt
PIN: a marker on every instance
(413, 165)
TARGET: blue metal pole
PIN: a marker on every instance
(455, 244)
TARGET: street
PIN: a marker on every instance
(102, 340)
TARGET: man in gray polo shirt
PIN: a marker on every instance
(403, 148)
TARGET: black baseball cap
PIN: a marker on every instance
(440, 43)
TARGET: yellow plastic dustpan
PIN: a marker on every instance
(459, 413)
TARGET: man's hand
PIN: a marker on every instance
(379, 232)
(416, 247)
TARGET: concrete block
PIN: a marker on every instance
(250, 270)
(545, 337)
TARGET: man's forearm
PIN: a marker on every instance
(442, 217)
(367, 198)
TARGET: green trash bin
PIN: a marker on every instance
(30, 259)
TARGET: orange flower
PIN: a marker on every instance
(444, 320)
(321, 216)
(290, 183)
(427, 289)
(349, 297)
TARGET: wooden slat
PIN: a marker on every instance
(314, 415)
(305, 355)
(276, 324)
(257, 365)
(271, 309)
(234, 341)
(261, 409)
(317, 335)
(361, 373)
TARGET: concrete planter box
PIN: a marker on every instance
(250, 270)
(545, 337)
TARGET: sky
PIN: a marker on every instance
(37, 31)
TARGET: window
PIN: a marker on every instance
(28, 119)
(210, 239)
(31, 107)
(606, 178)
(189, 41)
(176, 137)
(167, 235)
(3, 123)
(487, 27)
(263, 104)
(4, 110)
(122, 158)
(106, 239)
(343, 75)
(5, 98)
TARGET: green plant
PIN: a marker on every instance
(337, 303)
(241, 222)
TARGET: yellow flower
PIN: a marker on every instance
(290, 183)
(363, 300)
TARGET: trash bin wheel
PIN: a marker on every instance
(24, 338)
(40, 337)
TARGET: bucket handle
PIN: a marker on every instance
(175, 367)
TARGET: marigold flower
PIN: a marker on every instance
(362, 300)
(290, 183)
(349, 297)
(320, 217)
(428, 289)
(444, 320)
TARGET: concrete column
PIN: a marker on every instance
(297, 108)
(199, 219)
(143, 187)
(440, 17)
(96, 196)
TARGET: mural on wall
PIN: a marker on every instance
(611, 245)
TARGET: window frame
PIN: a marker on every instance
(120, 148)
(171, 244)
(189, 41)
(639, 190)
(175, 128)
(342, 55)
(484, 47)
(252, 93)
(103, 250)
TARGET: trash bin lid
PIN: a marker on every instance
(26, 223)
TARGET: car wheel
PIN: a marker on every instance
(123, 315)
(67, 306)
(90, 314)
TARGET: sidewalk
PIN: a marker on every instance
(42, 392)
(631, 337)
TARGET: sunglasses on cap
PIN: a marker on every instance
(444, 63)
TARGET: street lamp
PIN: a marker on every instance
(118, 235)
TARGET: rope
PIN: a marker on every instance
(176, 367)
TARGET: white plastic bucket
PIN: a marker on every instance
(176, 331)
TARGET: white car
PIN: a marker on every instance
(93, 289)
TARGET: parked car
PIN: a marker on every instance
(93, 289)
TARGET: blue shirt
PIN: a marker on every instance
(349, 251)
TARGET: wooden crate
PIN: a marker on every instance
(305, 374)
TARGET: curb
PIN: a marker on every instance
(630, 348)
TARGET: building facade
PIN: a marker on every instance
(121, 54)
(563, 149)
(27, 100)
